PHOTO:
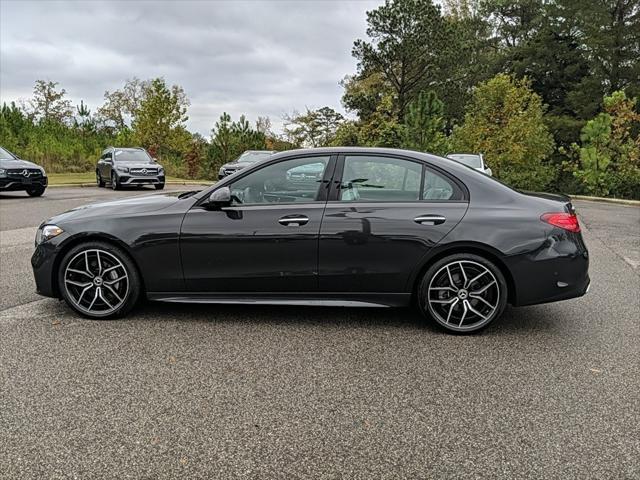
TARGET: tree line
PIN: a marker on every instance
(545, 89)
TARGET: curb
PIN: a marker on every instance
(89, 185)
(619, 201)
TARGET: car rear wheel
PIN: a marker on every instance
(99, 180)
(35, 191)
(99, 280)
(114, 181)
(463, 293)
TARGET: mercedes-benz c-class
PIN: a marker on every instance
(378, 227)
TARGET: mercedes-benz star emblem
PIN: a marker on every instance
(144, 171)
(25, 173)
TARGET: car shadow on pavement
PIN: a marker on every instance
(514, 320)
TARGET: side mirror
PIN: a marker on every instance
(220, 198)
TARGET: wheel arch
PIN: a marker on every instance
(92, 237)
(475, 248)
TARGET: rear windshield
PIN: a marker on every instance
(467, 159)
(132, 156)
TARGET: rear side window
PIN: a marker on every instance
(437, 187)
(387, 179)
(384, 179)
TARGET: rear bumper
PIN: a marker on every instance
(13, 184)
(557, 271)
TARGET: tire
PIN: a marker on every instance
(90, 294)
(159, 186)
(462, 293)
(35, 191)
(114, 181)
(99, 180)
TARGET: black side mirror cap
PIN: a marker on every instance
(220, 198)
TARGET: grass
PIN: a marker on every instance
(90, 177)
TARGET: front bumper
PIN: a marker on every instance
(43, 263)
(13, 184)
(131, 180)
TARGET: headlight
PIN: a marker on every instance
(123, 169)
(47, 232)
(3, 172)
(161, 171)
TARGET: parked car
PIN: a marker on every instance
(128, 167)
(21, 175)
(380, 227)
(473, 160)
(249, 157)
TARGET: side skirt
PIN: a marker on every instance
(326, 299)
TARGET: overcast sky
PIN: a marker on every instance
(253, 57)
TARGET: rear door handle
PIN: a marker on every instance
(293, 220)
(429, 219)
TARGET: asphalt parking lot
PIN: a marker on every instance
(549, 391)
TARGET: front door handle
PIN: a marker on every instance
(429, 219)
(293, 220)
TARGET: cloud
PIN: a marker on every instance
(252, 57)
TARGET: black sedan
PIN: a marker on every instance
(21, 175)
(377, 227)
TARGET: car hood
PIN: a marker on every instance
(116, 208)
(18, 164)
(138, 165)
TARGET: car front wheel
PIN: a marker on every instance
(159, 186)
(35, 191)
(99, 280)
(114, 181)
(99, 180)
(463, 293)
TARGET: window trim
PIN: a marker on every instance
(321, 196)
(334, 193)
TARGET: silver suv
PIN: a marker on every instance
(473, 160)
(123, 167)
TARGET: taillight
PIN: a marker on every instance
(566, 221)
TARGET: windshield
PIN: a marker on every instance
(467, 159)
(132, 156)
(5, 155)
(251, 157)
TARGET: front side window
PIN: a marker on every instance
(290, 181)
(384, 179)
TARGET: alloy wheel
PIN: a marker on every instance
(463, 295)
(97, 282)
